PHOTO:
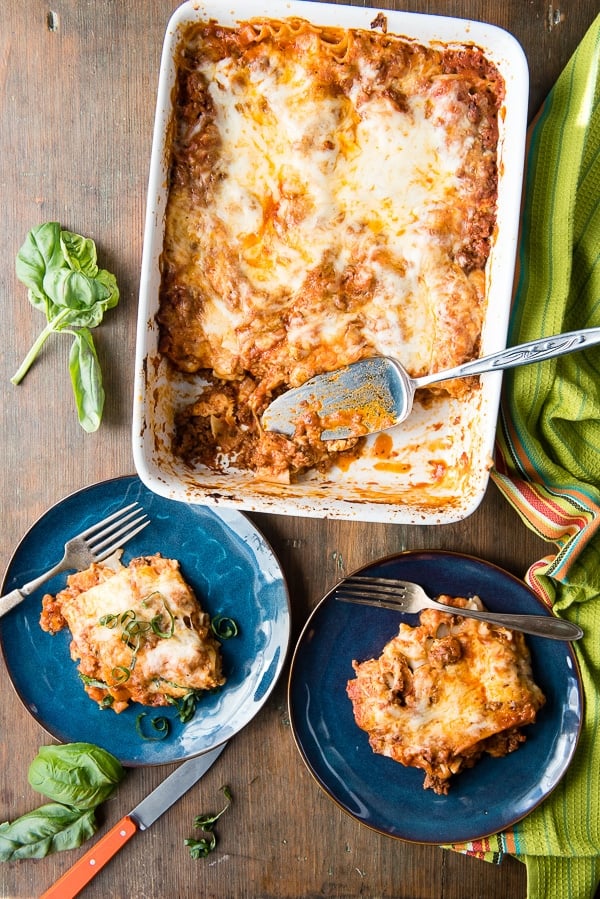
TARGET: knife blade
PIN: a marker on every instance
(140, 818)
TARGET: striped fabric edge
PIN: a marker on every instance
(550, 138)
(568, 517)
(490, 849)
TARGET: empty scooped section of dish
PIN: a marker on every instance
(431, 467)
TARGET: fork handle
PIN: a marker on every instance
(538, 625)
(10, 600)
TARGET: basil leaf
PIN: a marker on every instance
(50, 828)
(203, 847)
(40, 251)
(75, 291)
(86, 380)
(108, 280)
(79, 253)
(106, 295)
(77, 774)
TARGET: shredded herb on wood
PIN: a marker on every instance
(200, 848)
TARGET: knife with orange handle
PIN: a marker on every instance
(141, 817)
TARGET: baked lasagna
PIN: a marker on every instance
(138, 633)
(446, 692)
(331, 196)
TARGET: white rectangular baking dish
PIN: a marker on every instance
(433, 468)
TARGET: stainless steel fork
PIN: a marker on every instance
(404, 596)
(94, 544)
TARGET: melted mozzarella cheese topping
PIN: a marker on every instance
(349, 179)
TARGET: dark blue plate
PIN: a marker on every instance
(383, 794)
(233, 572)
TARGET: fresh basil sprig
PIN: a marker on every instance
(61, 272)
(77, 777)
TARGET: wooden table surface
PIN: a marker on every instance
(78, 82)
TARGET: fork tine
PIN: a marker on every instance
(388, 583)
(371, 587)
(367, 599)
(99, 541)
(100, 524)
(395, 603)
(120, 538)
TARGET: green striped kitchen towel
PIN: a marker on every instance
(548, 450)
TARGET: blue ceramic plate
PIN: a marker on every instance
(383, 794)
(233, 572)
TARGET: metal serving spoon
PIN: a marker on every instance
(377, 393)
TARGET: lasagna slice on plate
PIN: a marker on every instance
(138, 633)
(442, 694)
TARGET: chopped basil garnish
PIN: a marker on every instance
(160, 725)
(205, 845)
(224, 627)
